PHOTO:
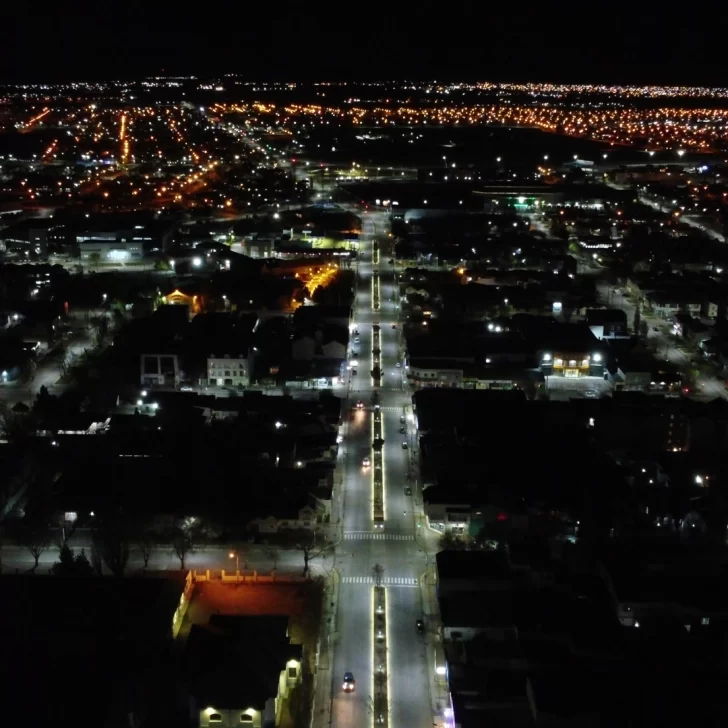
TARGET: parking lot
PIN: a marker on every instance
(562, 388)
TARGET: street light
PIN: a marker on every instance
(234, 555)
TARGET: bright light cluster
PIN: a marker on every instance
(657, 129)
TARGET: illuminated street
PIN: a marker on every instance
(395, 547)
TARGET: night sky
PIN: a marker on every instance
(458, 39)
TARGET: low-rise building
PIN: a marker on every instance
(240, 670)
(228, 370)
(110, 251)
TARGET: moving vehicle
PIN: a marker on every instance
(366, 462)
(402, 430)
(420, 626)
(360, 405)
(404, 445)
(354, 371)
(591, 394)
(349, 682)
(401, 419)
(394, 326)
(408, 490)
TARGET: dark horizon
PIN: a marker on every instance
(296, 42)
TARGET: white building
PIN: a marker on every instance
(110, 251)
(228, 371)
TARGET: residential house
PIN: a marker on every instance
(240, 670)
(287, 518)
(326, 342)
(666, 304)
(607, 323)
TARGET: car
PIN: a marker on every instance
(354, 371)
(394, 326)
(186, 388)
(349, 682)
(656, 329)
(420, 626)
(366, 462)
(398, 365)
(401, 418)
(591, 393)
(402, 430)
(408, 490)
(360, 405)
(404, 446)
(377, 406)
(355, 354)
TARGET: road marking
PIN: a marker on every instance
(387, 580)
(368, 535)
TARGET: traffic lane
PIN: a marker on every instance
(357, 481)
(353, 636)
(408, 681)
(396, 465)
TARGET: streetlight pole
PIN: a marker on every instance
(235, 555)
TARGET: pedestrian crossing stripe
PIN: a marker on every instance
(366, 535)
(386, 581)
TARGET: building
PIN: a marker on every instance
(571, 350)
(607, 323)
(228, 370)
(666, 304)
(160, 370)
(94, 251)
(240, 670)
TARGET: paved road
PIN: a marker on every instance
(48, 370)
(666, 348)
(395, 547)
(251, 557)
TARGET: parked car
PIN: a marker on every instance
(404, 445)
(420, 626)
(408, 490)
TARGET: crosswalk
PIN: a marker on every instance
(386, 581)
(367, 535)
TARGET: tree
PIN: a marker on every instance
(68, 359)
(13, 426)
(450, 541)
(101, 331)
(310, 550)
(110, 539)
(378, 574)
(161, 265)
(182, 545)
(146, 546)
(36, 537)
(69, 564)
(272, 554)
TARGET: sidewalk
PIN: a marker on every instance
(321, 712)
(437, 683)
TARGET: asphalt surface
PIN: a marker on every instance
(163, 558)
(394, 547)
